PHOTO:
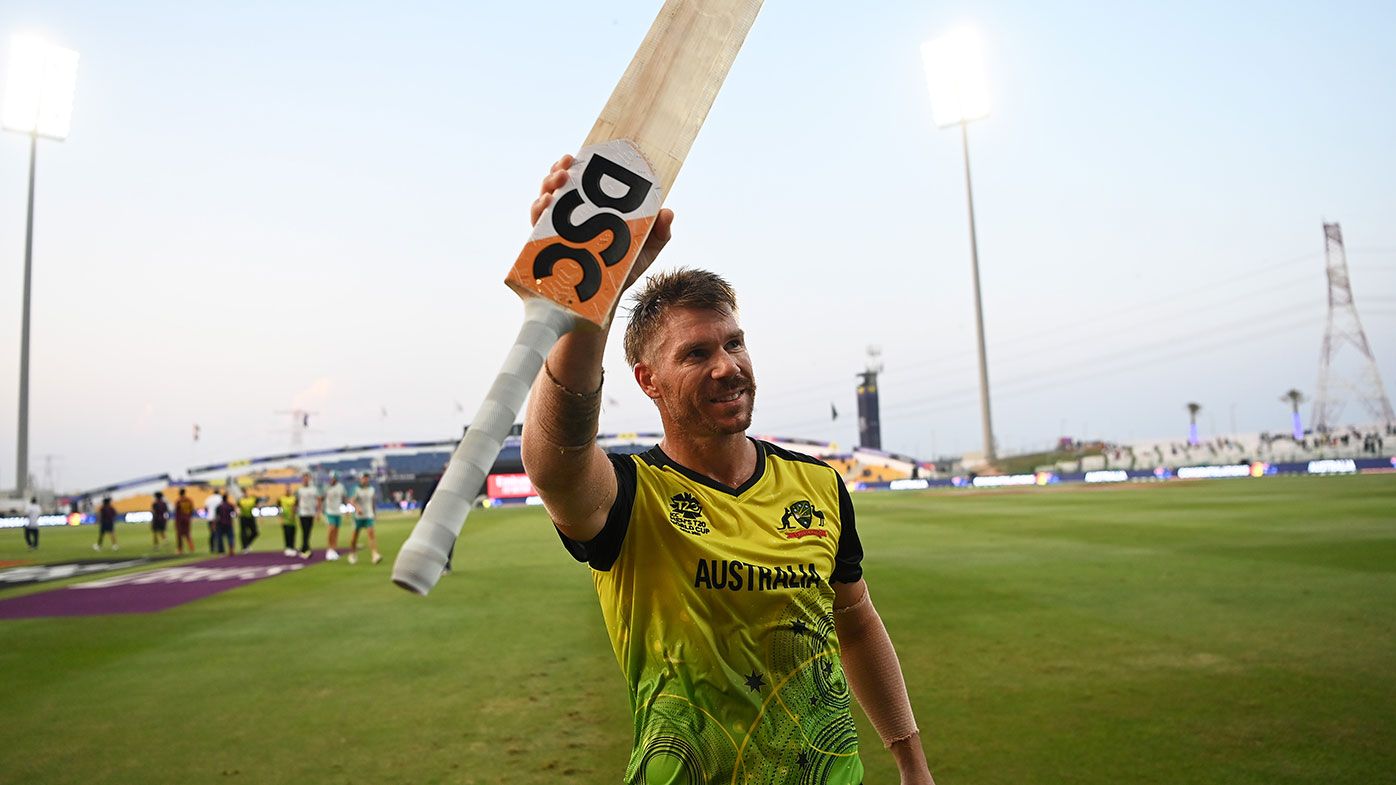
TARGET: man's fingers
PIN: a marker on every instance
(561, 166)
(663, 227)
(555, 180)
(535, 210)
(660, 234)
(557, 177)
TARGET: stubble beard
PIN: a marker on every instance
(714, 427)
(691, 421)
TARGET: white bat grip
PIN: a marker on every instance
(420, 561)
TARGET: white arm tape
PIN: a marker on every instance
(873, 671)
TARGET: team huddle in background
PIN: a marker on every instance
(298, 507)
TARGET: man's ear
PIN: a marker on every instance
(644, 377)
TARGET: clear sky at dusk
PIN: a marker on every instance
(274, 205)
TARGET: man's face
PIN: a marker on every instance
(699, 373)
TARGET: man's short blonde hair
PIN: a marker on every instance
(682, 287)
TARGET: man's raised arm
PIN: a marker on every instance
(560, 454)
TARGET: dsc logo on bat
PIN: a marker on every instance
(585, 242)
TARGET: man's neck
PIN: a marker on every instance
(729, 459)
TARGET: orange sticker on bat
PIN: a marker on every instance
(587, 240)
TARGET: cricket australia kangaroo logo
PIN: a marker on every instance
(686, 513)
(800, 519)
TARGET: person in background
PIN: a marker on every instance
(159, 514)
(223, 527)
(364, 511)
(333, 504)
(31, 523)
(183, 517)
(287, 503)
(307, 507)
(247, 520)
(211, 505)
(106, 524)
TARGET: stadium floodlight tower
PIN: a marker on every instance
(960, 95)
(38, 102)
(1193, 408)
(1294, 397)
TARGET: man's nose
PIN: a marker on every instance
(725, 365)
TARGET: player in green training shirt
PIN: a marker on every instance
(248, 530)
(729, 570)
(333, 505)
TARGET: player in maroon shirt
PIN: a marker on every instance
(183, 515)
(106, 524)
(223, 524)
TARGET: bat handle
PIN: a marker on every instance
(422, 558)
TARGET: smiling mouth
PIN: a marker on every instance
(729, 397)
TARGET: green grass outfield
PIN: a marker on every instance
(1236, 631)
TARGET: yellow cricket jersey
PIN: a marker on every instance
(720, 610)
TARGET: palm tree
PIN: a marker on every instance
(1193, 409)
(1294, 398)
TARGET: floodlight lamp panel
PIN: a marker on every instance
(956, 77)
(39, 88)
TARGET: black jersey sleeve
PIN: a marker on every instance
(602, 550)
(848, 560)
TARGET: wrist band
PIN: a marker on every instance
(582, 396)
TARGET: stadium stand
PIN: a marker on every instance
(881, 474)
(414, 466)
(1355, 442)
(417, 463)
(347, 468)
(843, 464)
(137, 503)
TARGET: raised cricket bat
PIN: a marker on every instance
(582, 248)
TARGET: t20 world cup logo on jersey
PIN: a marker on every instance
(799, 521)
(686, 513)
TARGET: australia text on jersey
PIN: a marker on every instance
(736, 575)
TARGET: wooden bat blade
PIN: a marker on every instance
(664, 96)
(584, 245)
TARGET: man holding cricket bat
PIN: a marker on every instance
(728, 569)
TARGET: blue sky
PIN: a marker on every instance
(274, 205)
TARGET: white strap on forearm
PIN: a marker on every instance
(873, 671)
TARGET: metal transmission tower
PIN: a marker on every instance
(1342, 376)
(300, 425)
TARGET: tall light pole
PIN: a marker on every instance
(960, 95)
(38, 102)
